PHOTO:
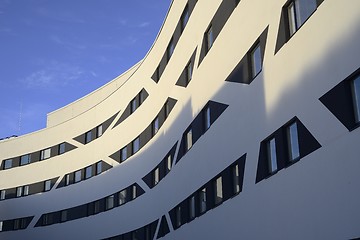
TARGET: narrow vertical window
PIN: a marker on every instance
(167, 109)
(156, 176)
(185, 18)
(7, 164)
(192, 207)
(61, 148)
(96, 207)
(88, 137)
(209, 38)
(271, 151)
(77, 176)
(142, 96)
(2, 194)
(168, 163)
(292, 18)
(155, 126)
(1, 226)
(356, 98)
(202, 196)
(178, 216)
(298, 11)
(110, 202)
(189, 141)
(293, 142)
(122, 197)
(63, 216)
(88, 172)
(207, 118)
(135, 145)
(45, 154)
(19, 191)
(218, 190)
(16, 224)
(235, 174)
(170, 49)
(67, 179)
(256, 62)
(123, 154)
(189, 71)
(47, 185)
(133, 105)
(134, 192)
(26, 190)
(99, 131)
(98, 168)
(25, 159)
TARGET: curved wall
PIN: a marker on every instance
(313, 197)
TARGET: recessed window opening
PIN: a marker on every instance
(189, 141)
(218, 190)
(236, 184)
(271, 151)
(7, 164)
(185, 18)
(136, 145)
(123, 153)
(45, 154)
(256, 62)
(25, 159)
(99, 131)
(61, 148)
(209, 38)
(298, 11)
(88, 137)
(202, 197)
(47, 185)
(293, 142)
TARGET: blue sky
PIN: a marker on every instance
(54, 52)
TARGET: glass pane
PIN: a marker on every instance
(356, 98)
(136, 145)
(169, 164)
(24, 159)
(272, 155)
(236, 179)
(189, 71)
(178, 216)
(88, 172)
(256, 61)
(63, 217)
(26, 190)
(218, 190)
(189, 139)
(170, 49)
(98, 167)
(133, 105)
(192, 207)
(203, 200)
(67, 179)
(88, 137)
(292, 19)
(99, 131)
(110, 202)
(78, 176)
(61, 148)
(123, 154)
(304, 8)
(134, 194)
(1, 226)
(156, 126)
(18, 191)
(122, 197)
(185, 18)
(210, 38)
(156, 176)
(45, 154)
(207, 118)
(8, 164)
(293, 141)
(2, 194)
(47, 185)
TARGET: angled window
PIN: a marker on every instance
(25, 159)
(88, 172)
(61, 148)
(77, 176)
(256, 62)
(235, 176)
(135, 145)
(45, 154)
(98, 167)
(192, 207)
(189, 140)
(355, 86)
(293, 142)
(178, 216)
(170, 49)
(202, 197)
(207, 118)
(133, 105)
(156, 176)
(218, 191)
(99, 131)
(63, 216)
(123, 154)
(185, 18)
(2, 194)
(47, 185)
(110, 202)
(19, 191)
(298, 11)
(7, 164)
(168, 163)
(122, 197)
(26, 190)
(155, 126)
(67, 179)
(88, 137)
(271, 154)
(209, 38)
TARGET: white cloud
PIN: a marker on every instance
(144, 24)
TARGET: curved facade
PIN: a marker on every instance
(240, 122)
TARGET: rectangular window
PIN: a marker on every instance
(19, 191)
(185, 18)
(192, 207)
(202, 197)
(67, 179)
(47, 185)
(168, 163)
(135, 145)
(1, 226)
(170, 49)
(45, 154)
(26, 190)
(189, 141)
(2, 194)
(218, 190)
(134, 192)
(61, 148)
(293, 142)
(156, 176)
(123, 154)
(63, 216)
(356, 98)
(167, 109)
(207, 118)
(178, 216)
(109, 202)
(189, 71)
(142, 96)
(88, 137)
(271, 151)
(133, 105)
(25, 159)
(7, 164)
(88, 172)
(235, 174)
(256, 61)
(99, 131)
(209, 38)
(298, 11)
(96, 207)
(98, 168)
(16, 224)
(122, 197)
(155, 126)
(77, 176)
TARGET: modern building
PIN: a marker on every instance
(241, 122)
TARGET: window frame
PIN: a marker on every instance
(99, 168)
(253, 60)
(135, 145)
(62, 148)
(209, 36)
(99, 131)
(6, 165)
(88, 137)
(45, 154)
(77, 176)
(3, 194)
(293, 141)
(88, 172)
(185, 17)
(188, 139)
(271, 151)
(170, 49)
(27, 159)
(355, 95)
(47, 185)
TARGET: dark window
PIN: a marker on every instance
(202, 202)
(207, 118)
(178, 216)
(235, 177)
(189, 71)
(67, 179)
(218, 190)
(99, 131)
(156, 176)
(19, 191)
(7, 164)
(88, 137)
(45, 154)
(109, 202)
(170, 49)
(133, 105)
(209, 38)
(136, 145)
(192, 207)
(168, 163)
(88, 172)
(96, 207)
(61, 148)
(155, 126)
(298, 11)
(2, 194)
(134, 191)
(355, 87)
(271, 155)
(98, 167)
(293, 142)
(122, 197)
(16, 224)
(189, 139)
(256, 61)
(1, 226)
(185, 18)
(26, 159)
(77, 176)
(63, 216)
(47, 185)
(123, 154)
(26, 190)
